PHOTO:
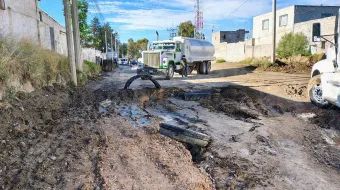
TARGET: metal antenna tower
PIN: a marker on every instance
(199, 20)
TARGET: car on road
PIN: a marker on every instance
(123, 61)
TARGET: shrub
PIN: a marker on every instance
(91, 69)
(293, 44)
(220, 61)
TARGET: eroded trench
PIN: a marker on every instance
(218, 113)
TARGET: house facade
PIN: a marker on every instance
(229, 36)
(289, 19)
(23, 20)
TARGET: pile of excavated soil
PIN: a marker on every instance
(57, 139)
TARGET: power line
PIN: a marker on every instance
(236, 9)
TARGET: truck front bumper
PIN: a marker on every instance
(150, 71)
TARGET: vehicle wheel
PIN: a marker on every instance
(203, 68)
(184, 135)
(315, 92)
(171, 72)
(208, 67)
(190, 69)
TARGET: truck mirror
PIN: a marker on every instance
(316, 32)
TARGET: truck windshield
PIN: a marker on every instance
(164, 46)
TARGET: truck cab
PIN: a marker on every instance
(324, 85)
(165, 57)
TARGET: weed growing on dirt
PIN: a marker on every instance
(91, 69)
(27, 61)
(220, 61)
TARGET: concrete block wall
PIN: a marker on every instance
(327, 28)
(60, 40)
(90, 54)
(231, 52)
(19, 20)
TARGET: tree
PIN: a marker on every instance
(293, 44)
(132, 50)
(142, 44)
(85, 31)
(95, 29)
(186, 29)
(123, 50)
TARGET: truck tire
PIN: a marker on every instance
(315, 92)
(208, 67)
(171, 71)
(184, 135)
(202, 68)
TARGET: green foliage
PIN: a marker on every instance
(95, 29)
(293, 44)
(266, 64)
(132, 50)
(220, 61)
(98, 34)
(123, 50)
(186, 29)
(85, 31)
(91, 69)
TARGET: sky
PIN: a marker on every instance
(138, 19)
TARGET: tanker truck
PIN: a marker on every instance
(165, 57)
(324, 85)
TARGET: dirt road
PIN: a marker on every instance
(265, 135)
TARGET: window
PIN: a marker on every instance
(324, 15)
(2, 4)
(284, 20)
(52, 38)
(323, 45)
(265, 24)
(40, 16)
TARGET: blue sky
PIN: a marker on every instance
(141, 18)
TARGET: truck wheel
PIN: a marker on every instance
(315, 92)
(171, 72)
(203, 68)
(190, 69)
(208, 67)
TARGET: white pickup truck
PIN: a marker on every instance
(324, 86)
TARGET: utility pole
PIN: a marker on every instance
(273, 58)
(76, 35)
(112, 46)
(105, 42)
(70, 49)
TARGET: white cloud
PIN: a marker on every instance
(160, 14)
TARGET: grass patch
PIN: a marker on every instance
(91, 69)
(29, 62)
(25, 61)
(220, 61)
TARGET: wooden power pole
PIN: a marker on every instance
(76, 35)
(70, 41)
(273, 58)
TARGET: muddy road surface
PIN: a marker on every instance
(264, 135)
